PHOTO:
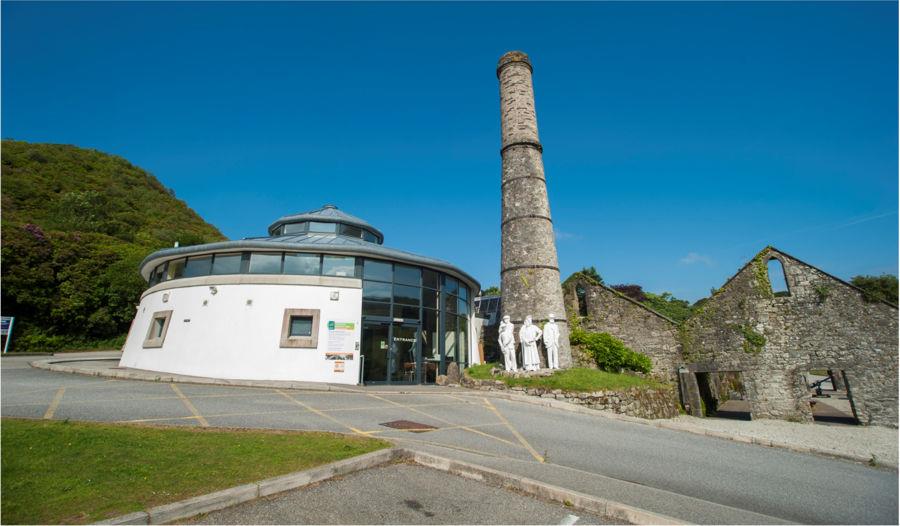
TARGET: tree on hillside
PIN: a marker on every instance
(493, 290)
(877, 288)
(76, 223)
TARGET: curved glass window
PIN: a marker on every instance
(375, 291)
(451, 286)
(372, 308)
(406, 295)
(370, 237)
(377, 270)
(197, 266)
(323, 228)
(430, 279)
(430, 299)
(351, 231)
(158, 274)
(294, 228)
(226, 264)
(265, 263)
(175, 269)
(302, 264)
(407, 275)
(339, 266)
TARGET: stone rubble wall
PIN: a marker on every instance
(640, 402)
(639, 328)
(823, 323)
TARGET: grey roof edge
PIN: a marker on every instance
(780, 252)
(367, 249)
(338, 216)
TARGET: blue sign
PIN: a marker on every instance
(6, 325)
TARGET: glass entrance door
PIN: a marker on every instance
(391, 352)
(376, 345)
(405, 355)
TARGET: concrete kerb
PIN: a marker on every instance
(239, 494)
(247, 492)
(596, 505)
(663, 424)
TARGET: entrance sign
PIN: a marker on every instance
(6, 327)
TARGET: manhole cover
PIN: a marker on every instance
(407, 425)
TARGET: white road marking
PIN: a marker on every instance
(570, 519)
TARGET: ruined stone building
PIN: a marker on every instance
(599, 308)
(762, 340)
(773, 337)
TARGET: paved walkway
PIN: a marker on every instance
(694, 478)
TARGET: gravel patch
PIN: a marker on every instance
(862, 441)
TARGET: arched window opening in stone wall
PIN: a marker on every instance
(581, 296)
(777, 278)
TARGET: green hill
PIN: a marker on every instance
(75, 225)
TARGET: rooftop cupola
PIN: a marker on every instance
(324, 221)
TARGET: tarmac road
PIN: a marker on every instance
(693, 478)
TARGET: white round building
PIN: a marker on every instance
(320, 299)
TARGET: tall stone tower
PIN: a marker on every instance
(529, 271)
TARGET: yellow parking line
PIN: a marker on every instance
(464, 428)
(54, 404)
(190, 407)
(320, 413)
(514, 432)
(448, 446)
(84, 385)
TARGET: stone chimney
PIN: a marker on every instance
(529, 271)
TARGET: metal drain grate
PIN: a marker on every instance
(407, 425)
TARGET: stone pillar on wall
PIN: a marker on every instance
(529, 271)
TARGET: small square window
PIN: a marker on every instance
(300, 328)
(159, 326)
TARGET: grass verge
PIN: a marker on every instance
(575, 379)
(66, 472)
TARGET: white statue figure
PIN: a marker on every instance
(551, 342)
(508, 344)
(529, 335)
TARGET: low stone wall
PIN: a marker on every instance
(641, 402)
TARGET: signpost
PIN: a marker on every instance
(6, 327)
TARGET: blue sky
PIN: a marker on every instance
(679, 138)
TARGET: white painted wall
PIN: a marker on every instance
(229, 339)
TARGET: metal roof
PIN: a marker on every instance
(326, 214)
(309, 242)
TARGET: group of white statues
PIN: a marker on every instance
(529, 335)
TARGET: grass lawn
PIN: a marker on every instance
(68, 472)
(575, 379)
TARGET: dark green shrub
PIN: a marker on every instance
(609, 353)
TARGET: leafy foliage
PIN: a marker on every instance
(76, 223)
(592, 273)
(609, 353)
(668, 305)
(574, 379)
(754, 342)
(493, 290)
(877, 288)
